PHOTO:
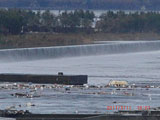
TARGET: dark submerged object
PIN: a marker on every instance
(45, 79)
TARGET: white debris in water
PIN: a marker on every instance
(141, 68)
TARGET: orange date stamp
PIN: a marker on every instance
(121, 107)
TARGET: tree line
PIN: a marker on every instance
(18, 21)
(128, 23)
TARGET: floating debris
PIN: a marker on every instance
(118, 83)
(30, 104)
(24, 95)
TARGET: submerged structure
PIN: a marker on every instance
(45, 79)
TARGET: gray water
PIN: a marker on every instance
(136, 62)
(78, 50)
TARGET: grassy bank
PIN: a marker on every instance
(52, 39)
(124, 36)
(42, 40)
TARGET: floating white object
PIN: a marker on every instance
(118, 83)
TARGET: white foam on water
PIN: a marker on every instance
(78, 50)
(130, 66)
(131, 61)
